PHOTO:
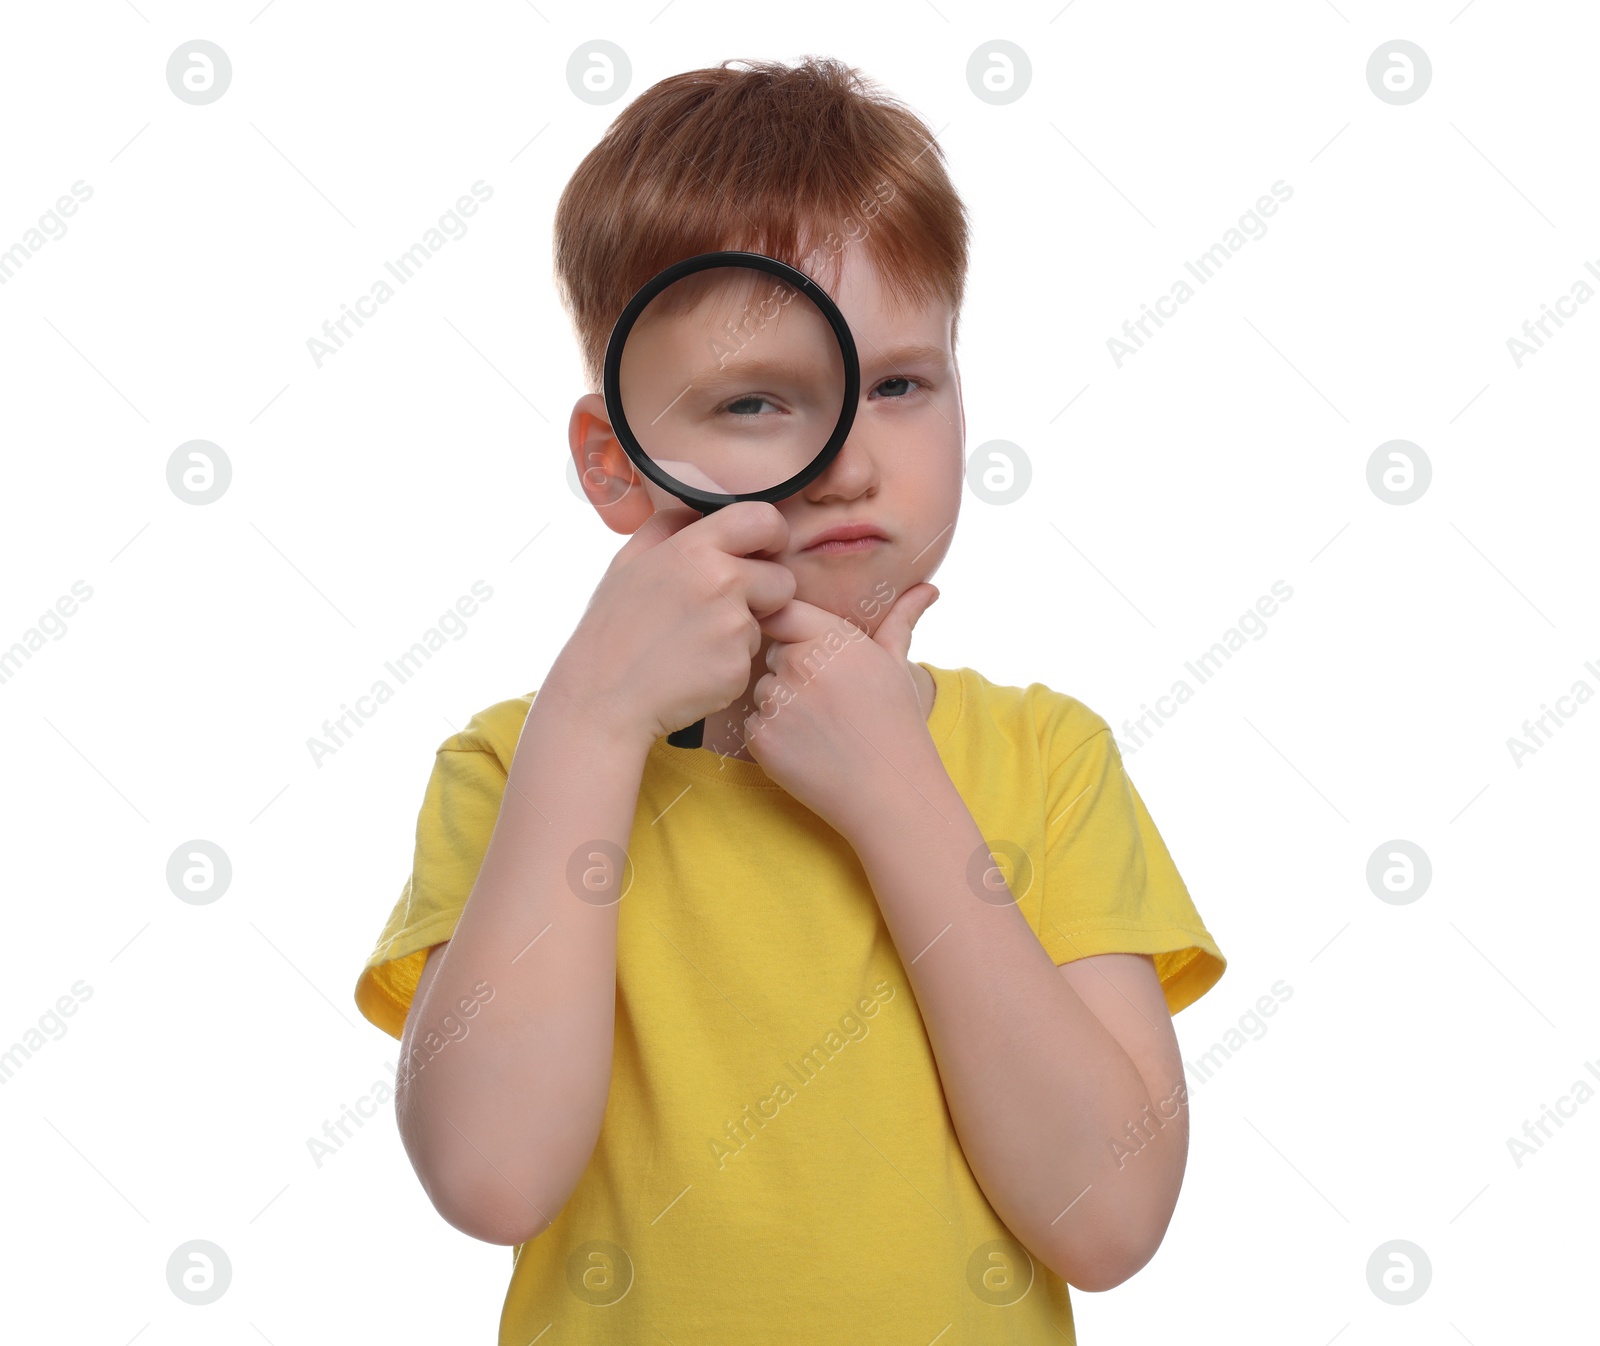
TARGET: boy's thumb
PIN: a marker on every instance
(894, 633)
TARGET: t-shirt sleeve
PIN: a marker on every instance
(459, 809)
(1110, 885)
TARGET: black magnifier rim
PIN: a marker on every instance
(705, 501)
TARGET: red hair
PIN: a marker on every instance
(797, 162)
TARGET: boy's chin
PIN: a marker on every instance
(860, 601)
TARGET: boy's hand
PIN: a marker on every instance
(838, 722)
(669, 634)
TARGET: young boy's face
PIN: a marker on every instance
(901, 469)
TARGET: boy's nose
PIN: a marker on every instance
(852, 472)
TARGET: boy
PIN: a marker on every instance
(854, 1024)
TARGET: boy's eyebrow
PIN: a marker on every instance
(739, 370)
(910, 353)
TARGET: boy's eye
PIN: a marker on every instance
(749, 405)
(746, 405)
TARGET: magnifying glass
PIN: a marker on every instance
(730, 376)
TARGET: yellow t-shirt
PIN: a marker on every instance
(777, 1161)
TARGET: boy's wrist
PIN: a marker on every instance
(584, 702)
(909, 794)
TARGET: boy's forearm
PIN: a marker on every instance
(1038, 1088)
(501, 1121)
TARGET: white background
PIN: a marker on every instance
(1228, 453)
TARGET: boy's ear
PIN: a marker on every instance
(605, 472)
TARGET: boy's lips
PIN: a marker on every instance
(843, 547)
(845, 537)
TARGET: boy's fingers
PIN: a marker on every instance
(798, 621)
(749, 526)
(657, 528)
(740, 529)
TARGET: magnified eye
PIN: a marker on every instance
(745, 406)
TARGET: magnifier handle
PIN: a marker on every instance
(693, 735)
(690, 736)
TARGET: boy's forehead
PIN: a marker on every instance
(875, 314)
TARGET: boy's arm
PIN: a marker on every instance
(1055, 1115)
(500, 1121)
